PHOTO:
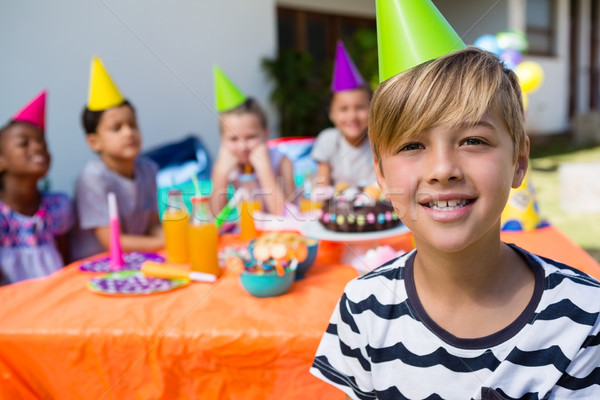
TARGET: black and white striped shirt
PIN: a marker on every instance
(381, 344)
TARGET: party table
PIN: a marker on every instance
(58, 340)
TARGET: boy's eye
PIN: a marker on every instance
(411, 146)
(472, 141)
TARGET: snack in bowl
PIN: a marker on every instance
(271, 266)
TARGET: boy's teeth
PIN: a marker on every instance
(447, 205)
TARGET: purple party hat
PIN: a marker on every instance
(345, 73)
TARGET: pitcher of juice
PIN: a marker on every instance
(175, 221)
(203, 238)
(247, 206)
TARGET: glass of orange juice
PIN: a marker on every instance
(203, 238)
(307, 204)
(175, 223)
(247, 226)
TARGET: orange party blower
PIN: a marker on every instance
(170, 271)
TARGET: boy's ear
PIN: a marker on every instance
(380, 178)
(522, 165)
(93, 141)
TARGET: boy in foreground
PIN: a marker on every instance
(464, 315)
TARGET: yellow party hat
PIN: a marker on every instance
(103, 93)
(522, 211)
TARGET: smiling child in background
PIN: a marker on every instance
(343, 153)
(33, 223)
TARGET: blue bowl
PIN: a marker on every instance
(269, 284)
(309, 261)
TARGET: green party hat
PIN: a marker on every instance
(409, 33)
(227, 95)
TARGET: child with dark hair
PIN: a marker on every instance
(244, 135)
(33, 223)
(464, 315)
(112, 132)
(343, 153)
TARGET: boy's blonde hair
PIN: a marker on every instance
(454, 90)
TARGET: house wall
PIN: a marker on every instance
(471, 19)
(548, 107)
(159, 52)
(548, 110)
(363, 8)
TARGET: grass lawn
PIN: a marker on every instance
(583, 228)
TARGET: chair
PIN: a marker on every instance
(177, 162)
(297, 149)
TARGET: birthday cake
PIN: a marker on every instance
(358, 209)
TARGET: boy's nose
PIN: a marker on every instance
(128, 130)
(443, 166)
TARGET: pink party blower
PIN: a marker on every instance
(116, 253)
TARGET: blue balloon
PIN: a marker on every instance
(489, 43)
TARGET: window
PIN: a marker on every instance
(317, 33)
(540, 21)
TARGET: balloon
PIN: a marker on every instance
(489, 43)
(511, 58)
(512, 40)
(525, 97)
(530, 75)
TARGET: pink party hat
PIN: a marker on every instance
(34, 112)
(345, 74)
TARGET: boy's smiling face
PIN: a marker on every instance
(450, 185)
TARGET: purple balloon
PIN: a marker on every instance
(511, 58)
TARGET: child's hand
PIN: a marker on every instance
(226, 161)
(260, 158)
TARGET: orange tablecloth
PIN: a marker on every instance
(58, 340)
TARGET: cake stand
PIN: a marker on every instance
(357, 244)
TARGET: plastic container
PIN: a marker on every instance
(247, 206)
(175, 223)
(203, 238)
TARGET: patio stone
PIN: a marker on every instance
(580, 187)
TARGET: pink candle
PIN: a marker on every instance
(116, 253)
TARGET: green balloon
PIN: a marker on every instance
(512, 40)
